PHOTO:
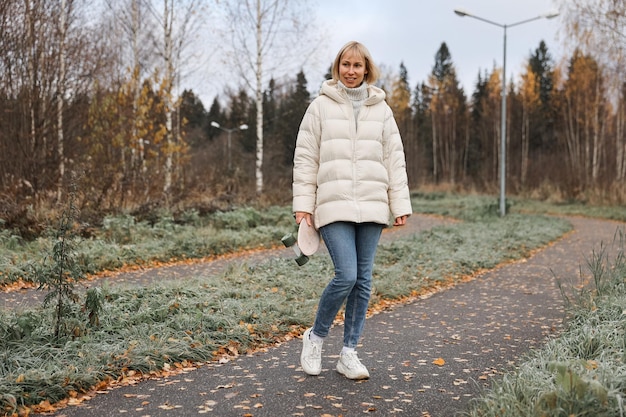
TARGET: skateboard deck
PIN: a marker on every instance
(307, 243)
(308, 238)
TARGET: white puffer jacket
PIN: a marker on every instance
(349, 172)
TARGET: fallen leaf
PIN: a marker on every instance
(167, 406)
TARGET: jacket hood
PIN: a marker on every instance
(331, 89)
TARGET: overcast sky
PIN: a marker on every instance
(411, 31)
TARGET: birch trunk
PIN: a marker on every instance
(167, 99)
(61, 95)
(259, 101)
(620, 143)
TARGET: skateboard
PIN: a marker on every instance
(307, 243)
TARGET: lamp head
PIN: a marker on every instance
(243, 127)
(551, 15)
(461, 12)
(215, 124)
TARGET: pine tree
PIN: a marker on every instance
(400, 103)
(215, 114)
(193, 112)
(541, 133)
(418, 145)
(448, 109)
(296, 104)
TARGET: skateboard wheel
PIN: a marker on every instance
(288, 240)
(302, 259)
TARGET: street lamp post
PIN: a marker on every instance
(548, 15)
(229, 131)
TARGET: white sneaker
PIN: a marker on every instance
(311, 356)
(351, 367)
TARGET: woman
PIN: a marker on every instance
(349, 178)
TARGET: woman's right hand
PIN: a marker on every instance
(300, 215)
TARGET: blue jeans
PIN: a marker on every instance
(352, 247)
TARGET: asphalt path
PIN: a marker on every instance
(428, 357)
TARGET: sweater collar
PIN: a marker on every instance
(357, 93)
(331, 89)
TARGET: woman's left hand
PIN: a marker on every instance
(400, 221)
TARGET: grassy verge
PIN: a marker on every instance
(569, 209)
(125, 242)
(171, 325)
(475, 206)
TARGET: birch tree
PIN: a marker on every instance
(262, 34)
(130, 34)
(36, 26)
(43, 65)
(584, 116)
(620, 137)
(598, 27)
(64, 18)
(176, 21)
(167, 51)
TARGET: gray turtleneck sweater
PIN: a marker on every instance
(357, 96)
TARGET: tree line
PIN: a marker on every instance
(93, 92)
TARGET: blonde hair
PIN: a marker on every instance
(372, 71)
